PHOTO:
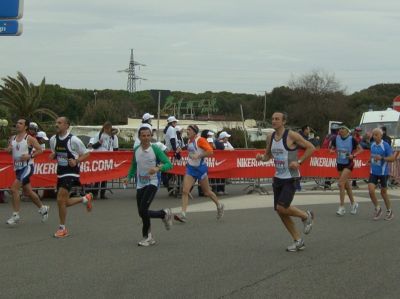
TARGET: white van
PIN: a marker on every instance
(388, 118)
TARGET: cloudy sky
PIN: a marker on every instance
(219, 45)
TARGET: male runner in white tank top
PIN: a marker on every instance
(282, 146)
(21, 147)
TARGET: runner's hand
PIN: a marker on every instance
(25, 157)
(153, 170)
(72, 162)
(52, 156)
(294, 165)
(260, 157)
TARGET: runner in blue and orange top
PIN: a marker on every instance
(196, 169)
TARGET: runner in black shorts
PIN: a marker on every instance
(282, 146)
(381, 155)
(69, 151)
(347, 148)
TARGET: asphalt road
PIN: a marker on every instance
(241, 256)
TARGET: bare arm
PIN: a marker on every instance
(300, 141)
(267, 154)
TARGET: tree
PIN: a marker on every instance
(24, 99)
(316, 99)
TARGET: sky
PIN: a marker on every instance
(220, 45)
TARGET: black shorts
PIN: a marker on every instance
(349, 166)
(382, 180)
(68, 183)
(284, 190)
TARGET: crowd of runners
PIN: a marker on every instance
(150, 164)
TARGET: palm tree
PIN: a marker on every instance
(23, 98)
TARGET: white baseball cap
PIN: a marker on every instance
(147, 116)
(42, 134)
(171, 119)
(210, 133)
(224, 135)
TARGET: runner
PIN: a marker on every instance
(282, 146)
(347, 149)
(381, 154)
(196, 169)
(21, 147)
(145, 167)
(69, 152)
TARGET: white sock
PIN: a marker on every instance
(183, 214)
(84, 200)
(16, 214)
(62, 226)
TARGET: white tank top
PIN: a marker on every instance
(283, 156)
(18, 149)
(193, 149)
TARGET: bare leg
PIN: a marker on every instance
(349, 192)
(372, 195)
(205, 186)
(289, 224)
(32, 195)
(386, 198)
(188, 182)
(15, 195)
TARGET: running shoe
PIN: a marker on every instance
(44, 211)
(377, 213)
(308, 223)
(296, 246)
(341, 211)
(180, 217)
(13, 220)
(354, 208)
(167, 219)
(389, 215)
(88, 201)
(147, 241)
(61, 233)
(220, 211)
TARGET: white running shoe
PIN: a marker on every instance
(147, 241)
(44, 211)
(377, 213)
(220, 210)
(167, 219)
(13, 220)
(389, 215)
(308, 223)
(353, 209)
(341, 211)
(296, 246)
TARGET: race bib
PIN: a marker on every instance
(62, 159)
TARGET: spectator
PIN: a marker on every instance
(42, 138)
(305, 132)
(114, 137)
(146, 122)
(171, 141)
(221, 183)
(385, 137)
(103, 142)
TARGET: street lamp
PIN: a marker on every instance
(95, 96)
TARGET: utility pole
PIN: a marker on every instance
(132, 78)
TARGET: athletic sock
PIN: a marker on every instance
(62, 226)
(84, 200)
(16, 214)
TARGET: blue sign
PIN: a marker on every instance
(10, 27)
(11, 9)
